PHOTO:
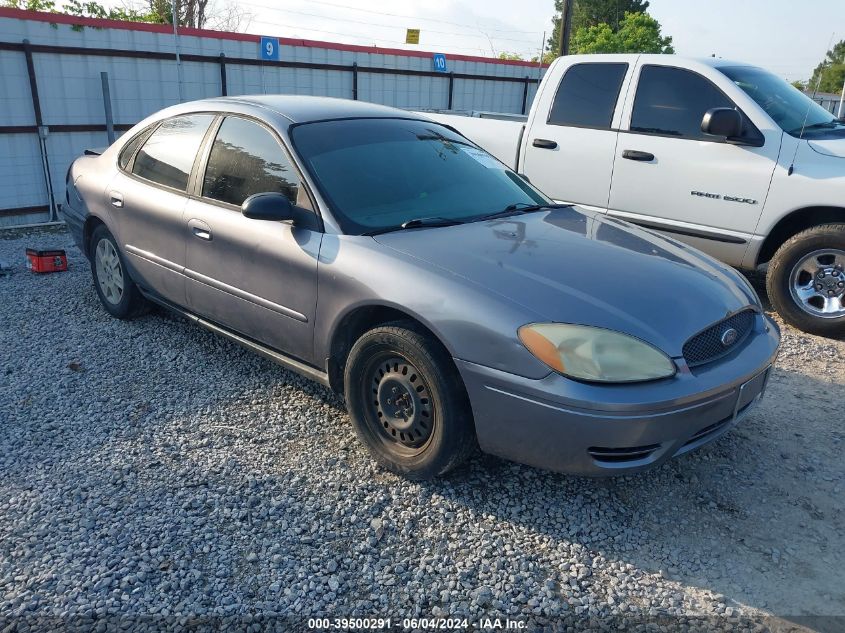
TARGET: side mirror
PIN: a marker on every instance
(725, 122)
(268, 206)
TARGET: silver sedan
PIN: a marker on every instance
(454, 305)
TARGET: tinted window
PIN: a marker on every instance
(169, 153)
(246, 159)
(587, 95)
(380, 173)
(673, 101)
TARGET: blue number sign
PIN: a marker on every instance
(439, 60)
(269, 49)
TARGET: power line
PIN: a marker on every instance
(382, 25)
(412, 17)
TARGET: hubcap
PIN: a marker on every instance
(401, 407)
(109, 272)
(817, 283)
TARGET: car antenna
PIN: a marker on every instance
(807, 114)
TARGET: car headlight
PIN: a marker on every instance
(595, 354)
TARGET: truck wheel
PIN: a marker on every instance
(118, 293)
(806, 280)
(407, 402)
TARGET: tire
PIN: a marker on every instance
(407, 402)
(806, 280)
(118, 293)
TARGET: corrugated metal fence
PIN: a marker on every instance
(52, 105)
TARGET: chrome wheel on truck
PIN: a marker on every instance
(817, 283)
(806, 280)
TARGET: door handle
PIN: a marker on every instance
(544, 143)
(116, 199)
(200, 229)
(633, 154)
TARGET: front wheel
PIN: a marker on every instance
(407, 402)
(806, 280)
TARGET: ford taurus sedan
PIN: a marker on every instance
(454, 305)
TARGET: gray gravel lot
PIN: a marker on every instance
(156, 475)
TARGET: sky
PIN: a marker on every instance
(787, 37)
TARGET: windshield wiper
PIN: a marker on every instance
(819, 126)
(516, 209)
(416, 223)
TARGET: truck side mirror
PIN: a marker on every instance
(725, 122)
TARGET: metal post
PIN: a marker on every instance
(540, 63)
(525, 93)
(841, 113)
(43, 130)
(451, 88)
(104, 81)
(223, 89)
(355, 81)
(175, 16)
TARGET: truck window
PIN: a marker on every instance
(587, 95)
(672, 101)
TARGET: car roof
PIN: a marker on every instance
(302, 109)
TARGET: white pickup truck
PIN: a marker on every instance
(722, 155)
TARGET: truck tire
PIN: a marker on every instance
(407, 402)
(806, 280)
(118, 293)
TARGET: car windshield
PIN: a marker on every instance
(382, 173)
(790, 108)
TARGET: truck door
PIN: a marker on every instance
(671, 176)
(571, 138)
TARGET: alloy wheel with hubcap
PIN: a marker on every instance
(817, 283)
(109, 271)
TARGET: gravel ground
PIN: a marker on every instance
(155, 475)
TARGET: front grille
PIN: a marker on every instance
(707, 346)
(620, 455)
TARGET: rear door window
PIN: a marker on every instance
(587, 95)
(246, 159)
(168, 155)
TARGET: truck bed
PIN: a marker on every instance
(500, 138)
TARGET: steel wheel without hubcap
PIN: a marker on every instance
(109, 271)
(817, 283)
(400, 410)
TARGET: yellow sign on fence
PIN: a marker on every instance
(412, 36)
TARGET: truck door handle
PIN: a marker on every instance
(200, 229)
(544, 143)
(633, 154)
(116, 199)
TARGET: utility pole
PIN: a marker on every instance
(841, 113)
(565, 26)
(174, 10)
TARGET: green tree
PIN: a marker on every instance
(637, 33)
(829, 75)
(587, 13)
(510, 56)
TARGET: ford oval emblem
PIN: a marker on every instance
(729, 337)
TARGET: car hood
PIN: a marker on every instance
(572, 266)
(830, 146)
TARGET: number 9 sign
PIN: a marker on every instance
(269, 48)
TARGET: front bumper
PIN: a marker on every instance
(588, 429)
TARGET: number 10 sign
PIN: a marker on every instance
(439, 60)
(269, 49)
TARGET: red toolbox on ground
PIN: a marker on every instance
(46, 261)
